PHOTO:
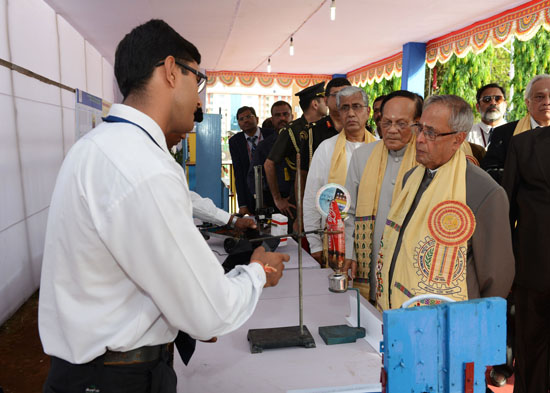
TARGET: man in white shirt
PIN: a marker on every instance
(331, 159)
(491, 104)
(124, 267)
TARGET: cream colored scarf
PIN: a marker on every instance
(432, 257)
(368, 195)
(523, 125)
(339, 164)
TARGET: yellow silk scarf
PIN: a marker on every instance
(338, 164)
(523, 125)
(368, 195)
(432, 257)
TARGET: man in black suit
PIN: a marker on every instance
(527, 183)
(242, 146)
(538, 116)
(281, 115)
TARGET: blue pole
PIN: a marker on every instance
(414, 63)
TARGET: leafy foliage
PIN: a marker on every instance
(530, 58)
(377, 89)
(464, 76)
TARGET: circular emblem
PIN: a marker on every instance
(331, 191)
(451, 223)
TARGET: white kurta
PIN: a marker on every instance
(124, 266)
(316, 178)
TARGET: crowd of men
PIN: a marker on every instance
(438, 205)
(126, 273)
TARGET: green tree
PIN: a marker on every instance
(530, 58)
(464, 76)
(382, 88)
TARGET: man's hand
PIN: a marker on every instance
(244, 211)
(284, 206)
(350, 264)
(318, 256)
(244, 223)
(272, 263)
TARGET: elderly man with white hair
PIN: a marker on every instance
(447, 231)
(537, 100)
(331, 159)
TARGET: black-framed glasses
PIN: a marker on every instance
(201, 78)
(399, 125)
(487, 99)
(429, 133)
(357, 108)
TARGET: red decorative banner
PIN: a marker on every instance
(384, 69)
(522, 22)
(265, 79)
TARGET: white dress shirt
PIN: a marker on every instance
(481, 132)
(317, 177)
(124, 265)
(205, 210)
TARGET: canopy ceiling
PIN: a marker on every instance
(240, 35)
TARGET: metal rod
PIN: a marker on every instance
(258, 187)
(300, 236)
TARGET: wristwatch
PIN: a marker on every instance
(233, 222)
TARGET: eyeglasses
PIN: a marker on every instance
(201, 78)
(399, 125)
(245, 117)
(429, 133)
(487, 99)
(357, 108)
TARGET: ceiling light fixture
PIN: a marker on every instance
(333, 10)
(291, 46)
(269, 64)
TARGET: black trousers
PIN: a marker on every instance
(532, 348)
(151, 377)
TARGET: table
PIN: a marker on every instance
(228, 365)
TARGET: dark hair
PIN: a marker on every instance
(268, 123)
(280, 103)
(418, 101)
(379, 98)
(244, 109)
(490, 85)
(306, 102)
(141, 49)
(336, 82)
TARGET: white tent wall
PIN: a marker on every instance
(38, 128)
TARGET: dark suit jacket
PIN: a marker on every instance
(493, 162)
(527, 183)
(241, 162)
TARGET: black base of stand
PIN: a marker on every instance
(281, 337)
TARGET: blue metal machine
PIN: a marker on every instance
(443, 348)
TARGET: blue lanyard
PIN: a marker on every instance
(116, 119)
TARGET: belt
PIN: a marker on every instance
(135, 356)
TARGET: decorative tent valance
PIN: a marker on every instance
(264, 79)
(384, 69)
(523, 22)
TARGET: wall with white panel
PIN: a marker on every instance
(38, 128)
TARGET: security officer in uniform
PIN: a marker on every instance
(288, 143)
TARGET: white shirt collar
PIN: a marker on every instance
(143, 120)
(534, 123)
